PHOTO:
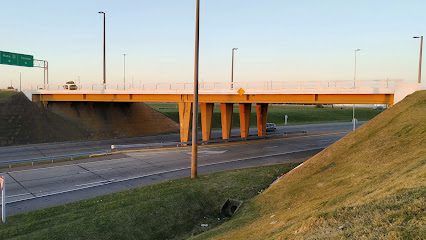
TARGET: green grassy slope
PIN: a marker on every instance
(276, 113)
(6, 94)
(369, 185)
(169, 210)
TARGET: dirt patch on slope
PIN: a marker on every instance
(25, 122)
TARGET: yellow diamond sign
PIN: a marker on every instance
(241, 91)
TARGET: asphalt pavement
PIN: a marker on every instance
(33, 151)
(45, 186)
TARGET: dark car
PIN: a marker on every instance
(378, 108)
(271, 127)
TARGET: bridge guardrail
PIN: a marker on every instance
(271, 87)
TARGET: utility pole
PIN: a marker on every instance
(20, 82)
(194, 156)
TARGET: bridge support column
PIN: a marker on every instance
(226, 115)
(185, 109)
(262, 114)
(245, 111)
(206, 120)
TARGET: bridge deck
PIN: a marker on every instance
(346, 92)
(222, 98)
(245, 94)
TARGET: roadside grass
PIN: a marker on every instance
(371, 184)
(6, 94)
(276, 113)
(172, 209)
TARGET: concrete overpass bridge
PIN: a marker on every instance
(227, 94)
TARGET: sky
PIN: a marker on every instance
(277, 40)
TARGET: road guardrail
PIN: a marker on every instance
(51, 158)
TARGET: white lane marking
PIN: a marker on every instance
(209, 152)
(85, 184)
(17, 195)
(270, 147)
(98, 170)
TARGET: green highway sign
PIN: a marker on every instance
(16, 59)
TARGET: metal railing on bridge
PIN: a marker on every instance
(270, 87)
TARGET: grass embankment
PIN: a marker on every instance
(5, 94)
(170, 210)
(369, 185)
(276, 113)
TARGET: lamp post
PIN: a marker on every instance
(353, 108)
(124, 76)
(357, 50)
(420, 60)
(232, 71)
(195, 103)
(104, 48)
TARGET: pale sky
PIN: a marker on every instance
(278, 40)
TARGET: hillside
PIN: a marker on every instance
(368, 185)
(25, 122)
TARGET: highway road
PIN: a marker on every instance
(64, 148)
(44, 186)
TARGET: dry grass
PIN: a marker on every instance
(368, 185)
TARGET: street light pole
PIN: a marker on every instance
(104, 49)
(195, 103)
(124, 77)
(357, 50)
(232, 71)
(353, 108)
(420, 60)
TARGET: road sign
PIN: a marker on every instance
(1, 182)
(16, 59)
(241, 91)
